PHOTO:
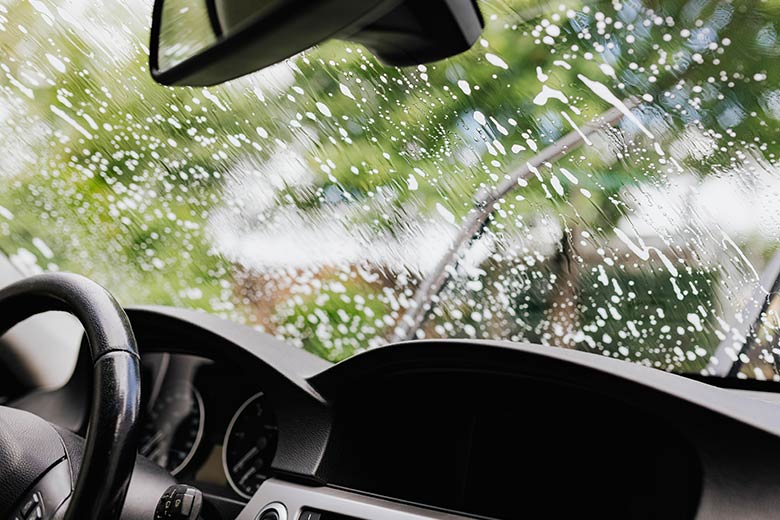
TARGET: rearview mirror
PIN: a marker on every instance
(205, 42)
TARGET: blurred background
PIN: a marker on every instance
(591, 175)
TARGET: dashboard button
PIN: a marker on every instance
(34, 514)
(186, 503)
(30, 504)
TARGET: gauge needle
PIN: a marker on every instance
(151, 443)
(247, 475)
(251, 453)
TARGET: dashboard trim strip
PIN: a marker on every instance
(295, 497)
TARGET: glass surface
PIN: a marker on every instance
(599, 176)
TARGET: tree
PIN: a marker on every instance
(161, 193)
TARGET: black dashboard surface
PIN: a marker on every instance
(477, 429)
(460, 446)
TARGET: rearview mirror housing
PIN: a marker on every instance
(206, 42)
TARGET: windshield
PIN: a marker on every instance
(598, 176)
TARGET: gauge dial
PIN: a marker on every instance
(173, 428)
(249, 446)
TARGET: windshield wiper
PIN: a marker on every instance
(727, 359)
(485, 207)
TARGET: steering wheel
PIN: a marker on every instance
(36, 465)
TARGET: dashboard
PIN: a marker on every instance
(435, 430)
(206, 425)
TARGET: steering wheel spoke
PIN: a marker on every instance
(47, 495)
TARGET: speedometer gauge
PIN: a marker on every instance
(172, 428)
(249, 446)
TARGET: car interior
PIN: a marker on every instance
(162, 409)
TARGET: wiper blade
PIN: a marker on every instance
(728, 358)
(485, 206)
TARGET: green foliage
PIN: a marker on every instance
(337, 321)
(129, 182)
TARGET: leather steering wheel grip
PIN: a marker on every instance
(109, 454)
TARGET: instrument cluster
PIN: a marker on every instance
(206, 425)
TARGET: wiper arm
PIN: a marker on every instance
(485, 207)
(727, 359)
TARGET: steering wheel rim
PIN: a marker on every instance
(109, 453)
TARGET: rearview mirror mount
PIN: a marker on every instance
(206, 42)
